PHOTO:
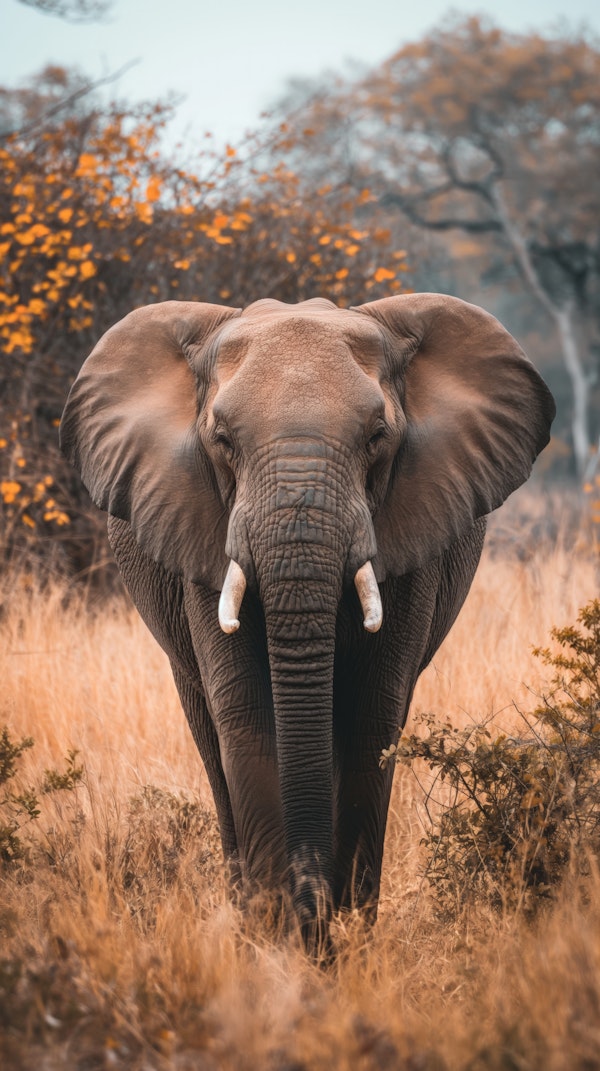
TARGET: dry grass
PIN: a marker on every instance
(119, 947)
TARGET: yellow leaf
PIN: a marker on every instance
(22, 339)
(87, 167)
(29, 521)
(351, 250)
(65, 214)
(23, 189)
(229, 150)
(58, 516)
(144, 212)
(153, 189)
(383, 273)
(291, 258)
(342, 273)
(87, 269)
(9, 490)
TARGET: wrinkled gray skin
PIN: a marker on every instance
(301, 442)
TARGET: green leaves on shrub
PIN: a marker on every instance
(516, 809)
(19, 808)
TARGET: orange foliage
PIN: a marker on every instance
(95, 221)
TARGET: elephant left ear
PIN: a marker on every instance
(130, 428)
(477, 414)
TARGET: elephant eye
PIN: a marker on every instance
(376, 438)
(223, 440)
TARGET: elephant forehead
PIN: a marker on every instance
(317, 344)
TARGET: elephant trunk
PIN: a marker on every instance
(308, 535)
(300, 615)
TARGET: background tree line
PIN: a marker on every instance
(466, 163)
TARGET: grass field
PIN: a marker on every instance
(118, 945)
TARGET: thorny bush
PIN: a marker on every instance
(518, 809)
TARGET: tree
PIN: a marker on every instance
(496, 135)
(94, 221)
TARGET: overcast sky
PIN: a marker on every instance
(231, 59)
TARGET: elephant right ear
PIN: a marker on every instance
(477, 414)
(130, 428)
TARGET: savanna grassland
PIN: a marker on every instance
(119, 946)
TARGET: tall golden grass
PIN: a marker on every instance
(120, 947)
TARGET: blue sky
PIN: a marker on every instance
(231, 59)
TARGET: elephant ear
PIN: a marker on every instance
(130, 428)
(477, 415)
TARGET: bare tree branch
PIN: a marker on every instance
(410, 207)
(71, 10)
(64, 102)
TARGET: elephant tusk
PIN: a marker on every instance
(370, 599)
(232, 594)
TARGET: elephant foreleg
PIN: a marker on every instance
(374, 680)
(206, 740)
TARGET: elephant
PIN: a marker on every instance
(297, 498)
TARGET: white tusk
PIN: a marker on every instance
(231, 598)
(370, 599)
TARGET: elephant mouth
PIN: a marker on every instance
(234, 588)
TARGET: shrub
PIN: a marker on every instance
(18, 809)
(164, 831)
(520, 808)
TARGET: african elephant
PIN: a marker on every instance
(267, 472)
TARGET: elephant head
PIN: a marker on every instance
(298, 450)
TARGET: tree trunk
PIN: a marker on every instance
(565, 326)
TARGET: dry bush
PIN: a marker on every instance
(120, 946)
(521, 807)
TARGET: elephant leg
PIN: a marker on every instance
(235, 677)
(363, 725)
(374, 681)
(362, 802)
(159, 598)
(206, 740)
